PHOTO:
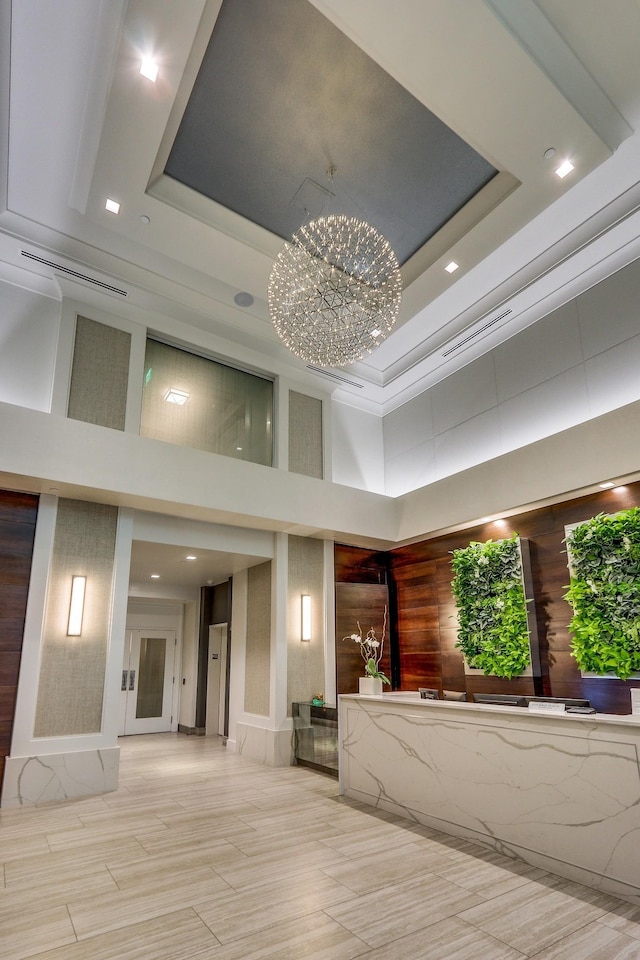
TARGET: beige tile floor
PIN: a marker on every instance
(202, 855)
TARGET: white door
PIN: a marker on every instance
(216, 679)
(146, 692)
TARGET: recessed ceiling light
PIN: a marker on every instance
(155, 576)
(549, 153)
(191, 557)
(238, 448)
(376, 333)
(452, 267)
(145, 219)
(564, 169)
(112, 205)
(179, 397)
(149, 69)
(607, 485)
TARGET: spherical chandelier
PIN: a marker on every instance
(334, 291)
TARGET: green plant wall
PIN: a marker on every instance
(604, 592)
(492, 612)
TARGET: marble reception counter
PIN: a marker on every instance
(561, 792)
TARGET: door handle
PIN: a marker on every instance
(125, 674)
(132, 679)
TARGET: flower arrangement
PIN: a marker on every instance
(371, 649)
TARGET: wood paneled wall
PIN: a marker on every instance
(17, 531)
(424, 623)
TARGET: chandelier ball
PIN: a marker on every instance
(335, 291)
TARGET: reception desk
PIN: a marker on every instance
(559, 791)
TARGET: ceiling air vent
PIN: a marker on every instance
(334, 376)
(74, 273)
(476, 333)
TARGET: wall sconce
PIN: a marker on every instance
(305, 618)
(76, 607)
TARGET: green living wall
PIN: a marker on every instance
(604, 592)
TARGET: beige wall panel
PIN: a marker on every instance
(305, 435)
(305, 659)
(100, 374)
(258, 647)
(72, 670)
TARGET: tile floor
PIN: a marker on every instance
(203, 855)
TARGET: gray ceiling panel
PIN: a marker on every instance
(281, 96)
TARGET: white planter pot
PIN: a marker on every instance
(370, 687)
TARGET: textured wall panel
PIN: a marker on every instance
(305, 435)
(305, 660)
(100, 374)
(258, 649)
(72, 669)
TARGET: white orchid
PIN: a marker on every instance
(371, 649)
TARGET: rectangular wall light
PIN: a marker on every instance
(76, 607)
(305, 620)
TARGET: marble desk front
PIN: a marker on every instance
(561, 792)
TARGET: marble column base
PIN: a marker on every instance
(59, 776)
(274, 748)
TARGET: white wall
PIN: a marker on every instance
(29, 325)
(357, 448)
(578, 363)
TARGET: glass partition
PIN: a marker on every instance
(197, 402)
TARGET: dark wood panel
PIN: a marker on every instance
(18, 507)
(13, 601)
(9, 668)
(545, 530)
(357, 565)
(520, 686)
(16, 539)
(18, 514)
(14, 570)
(364, 602)
(11, 634)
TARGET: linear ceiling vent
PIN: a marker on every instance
(334, 376)
(476, 333)
(74, 273)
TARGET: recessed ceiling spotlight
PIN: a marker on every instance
(179, 397)
(238, 448)
(243, 299)
(149, 69)
(145, 219)
(607, 485)
(452, 267)
(112, 205)
(564, 169)
(500, 523)
(155, 576)
(191, 557)
(549, 153)
(376, 333)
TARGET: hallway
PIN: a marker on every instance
(202, 855)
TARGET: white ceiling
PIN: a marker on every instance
(177, 577)
(78, 123)
(511, 79)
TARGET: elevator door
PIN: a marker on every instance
(146, 691)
